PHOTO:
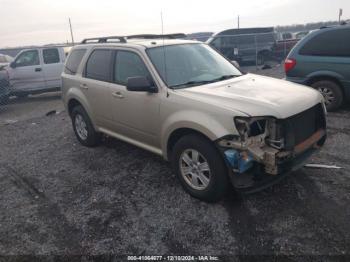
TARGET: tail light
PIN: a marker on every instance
(289, 64)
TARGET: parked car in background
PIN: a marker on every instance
(246, 44)
(4, 87)
(253, 44)
(322, 60)
(5, 60)
(195, 109)
(36, 70)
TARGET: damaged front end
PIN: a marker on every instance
(266, 148)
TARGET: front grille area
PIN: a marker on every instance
(302, 126)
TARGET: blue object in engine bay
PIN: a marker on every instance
(240, 162)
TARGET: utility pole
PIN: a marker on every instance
(238, 22)
(340, 14)
(71, 31)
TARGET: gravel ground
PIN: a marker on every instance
(60, 198)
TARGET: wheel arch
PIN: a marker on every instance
(326, 76)
(177, 134)
(73, 100)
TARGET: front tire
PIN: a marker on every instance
(83, 128)
(200, 168)
(331, 92)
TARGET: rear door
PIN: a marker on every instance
(95, 84)
(52, 67)
(28, 72)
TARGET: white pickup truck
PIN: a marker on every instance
(37, 70)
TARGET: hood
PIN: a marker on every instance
(256, 96)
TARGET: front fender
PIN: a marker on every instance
(209, 125)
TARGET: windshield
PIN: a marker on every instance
(189, 65)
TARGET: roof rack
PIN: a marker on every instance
(123, 39)
(154, 36)
(104, 39)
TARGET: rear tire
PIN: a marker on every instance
(215, 181)
(331, 92)
(83, 128)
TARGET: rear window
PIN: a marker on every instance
(98, 66)
(328, 43)
(74, 61)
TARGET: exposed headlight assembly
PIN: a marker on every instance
(250, 126)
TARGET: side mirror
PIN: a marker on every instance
(140, 84)
(13, 64)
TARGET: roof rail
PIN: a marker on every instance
(123, 39)
(155, 36)
(103, 39)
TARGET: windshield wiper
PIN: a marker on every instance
(224, 77)
(202, 82)
(192, 83)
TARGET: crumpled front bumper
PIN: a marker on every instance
(249, 175)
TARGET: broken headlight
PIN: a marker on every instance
(250, 126)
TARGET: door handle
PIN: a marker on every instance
(118, 95)
(38, 69)
(84, 86)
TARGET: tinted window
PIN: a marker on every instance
(328, 43)
(98, 66)
(128, 64)
(51, 56)
(28, 58)
(73, 61)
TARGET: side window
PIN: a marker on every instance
(328, 43)
(98, 66)
(128, 64)
(51, 56)
(28, 58)
(74, 61)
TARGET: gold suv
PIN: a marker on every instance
(184, 101)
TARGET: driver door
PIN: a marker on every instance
(136, 114)
(27, 73)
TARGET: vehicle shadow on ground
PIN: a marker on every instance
(35, 98)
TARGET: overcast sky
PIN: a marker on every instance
(25, 22)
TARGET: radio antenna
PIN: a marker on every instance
(164, 55)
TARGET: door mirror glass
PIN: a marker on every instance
(140, 84)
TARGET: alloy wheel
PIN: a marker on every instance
(195, 169)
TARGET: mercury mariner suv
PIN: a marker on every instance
(184, 101)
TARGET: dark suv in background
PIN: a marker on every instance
(245, 44)
(322, 60)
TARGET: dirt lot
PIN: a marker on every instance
(57, 197)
